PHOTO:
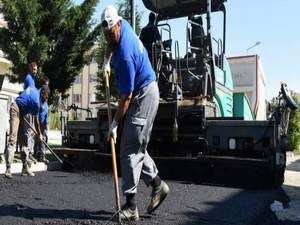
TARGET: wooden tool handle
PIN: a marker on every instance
(112, 145)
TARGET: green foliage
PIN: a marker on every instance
(54, 121)
(124, 11)
(294, 128)
(57, 34)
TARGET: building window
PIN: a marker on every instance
(77, 98)
(93, 78)
(92, 97)
(94, 60)
(77, 79)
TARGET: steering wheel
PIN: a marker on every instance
(288, 98)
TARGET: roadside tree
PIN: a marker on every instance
(57, 34)
(294, 128)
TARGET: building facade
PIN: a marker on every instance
(83, 92)
(249, 78)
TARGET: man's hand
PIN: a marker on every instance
(112, 132)
(106, 67)
(42, 138)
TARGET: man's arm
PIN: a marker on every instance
(47, 117)
(37, 125)
(122, 107)
(47, 121)
(121, 111)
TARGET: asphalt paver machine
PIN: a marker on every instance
(200, 118)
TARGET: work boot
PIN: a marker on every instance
(32, 159)
(2, 159)
(26, 172)
(8, 174)
(44, 160)
(158, 195)
(127, 214)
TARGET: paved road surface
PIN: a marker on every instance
(88, 198)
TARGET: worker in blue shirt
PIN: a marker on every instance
(28, 102)
(137, 107)
(31, 75)
(40, 148)
(29, 81)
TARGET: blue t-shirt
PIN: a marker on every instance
(29, 81)
(43, 114)
(131, 63)
(29, 101)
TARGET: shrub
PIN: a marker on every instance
(294, 128)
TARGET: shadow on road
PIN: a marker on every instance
(243, 208)
(26, 212)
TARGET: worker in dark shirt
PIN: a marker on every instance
(150, 35)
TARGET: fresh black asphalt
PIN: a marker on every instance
(63, 198)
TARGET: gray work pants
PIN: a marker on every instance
(30, 136)
(39, 146)
(135, 160)
(27, 137)
(16, 122)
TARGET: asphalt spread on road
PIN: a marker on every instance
(56, 197)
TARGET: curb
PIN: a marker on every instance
(17, 167)
(35, 167)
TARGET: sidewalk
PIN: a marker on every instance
(17, 167)
(291, 187)
(54, 138)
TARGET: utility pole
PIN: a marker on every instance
(132, 14)
(208, 16)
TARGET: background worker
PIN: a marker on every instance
(30, 81)
(30, 77)
(45, 81)
(137, 107)
(150, 34)
(39, 147)
(28, 102)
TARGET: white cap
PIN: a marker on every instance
(109, 17)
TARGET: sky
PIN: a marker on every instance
(273, 23)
